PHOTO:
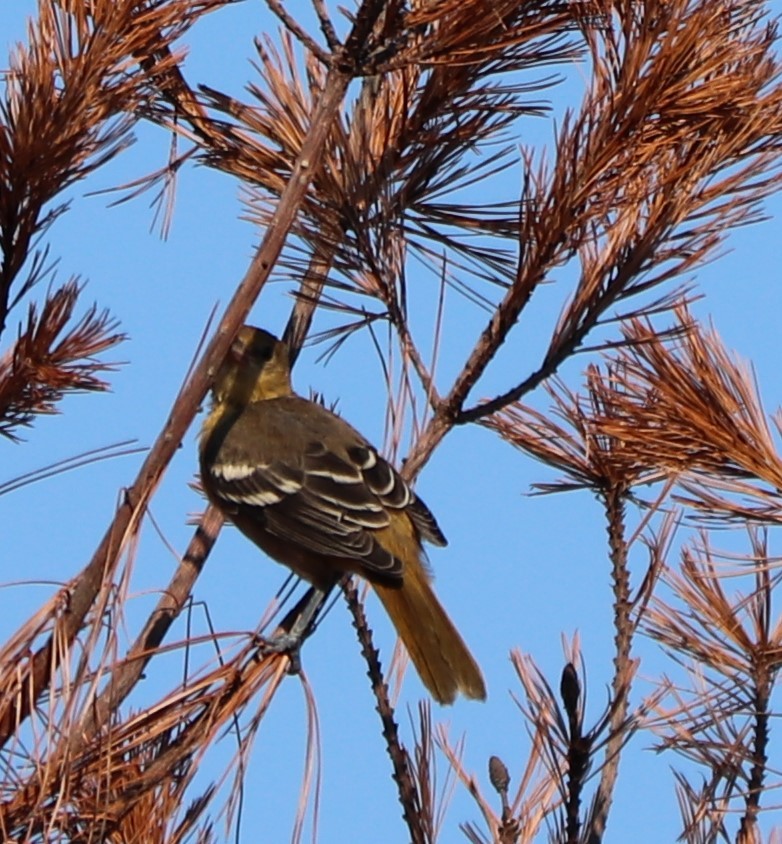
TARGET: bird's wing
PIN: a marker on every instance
(321, 486)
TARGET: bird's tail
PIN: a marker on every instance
(438, 652)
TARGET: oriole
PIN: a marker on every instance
(313, 494)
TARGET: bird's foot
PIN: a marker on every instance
(296, 627)
(284, 643)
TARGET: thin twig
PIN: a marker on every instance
(621, 682)
(298, 31)
(408, 795)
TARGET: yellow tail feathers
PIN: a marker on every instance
(438, 652)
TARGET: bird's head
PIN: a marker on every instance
(256, 368)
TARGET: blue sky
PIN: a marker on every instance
(518, 572)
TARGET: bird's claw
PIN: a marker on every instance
(284, 643)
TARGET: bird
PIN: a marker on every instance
(312, 493)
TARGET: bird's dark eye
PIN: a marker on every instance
(263, 353)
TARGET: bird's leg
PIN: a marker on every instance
(297, 625)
